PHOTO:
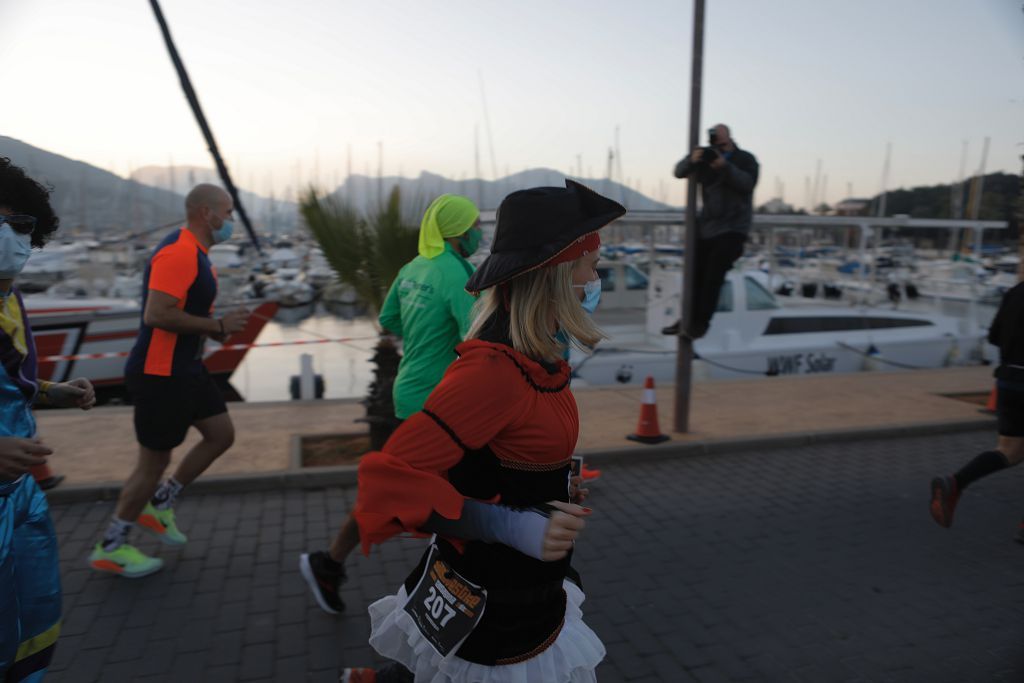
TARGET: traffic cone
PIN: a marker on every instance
(990, 405)
(44, 476)
(647, 430)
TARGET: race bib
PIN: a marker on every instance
(445, 607)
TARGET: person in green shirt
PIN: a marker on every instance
(429, 308)
(428, 305)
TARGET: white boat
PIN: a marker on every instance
(289, 288)
(752, 334)
(318, 270)
(954, 280)
(227, 256)
(284, 255)
(113, 286)
(46, 268)
(623, 285)
(91, 338)
(341, 299)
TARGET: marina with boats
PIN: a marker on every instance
(812, 295)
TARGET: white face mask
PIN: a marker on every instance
(15, 249)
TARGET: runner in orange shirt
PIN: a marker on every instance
(169, 384)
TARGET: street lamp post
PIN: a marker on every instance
(684, 357)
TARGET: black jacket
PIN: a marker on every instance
(1007, 332)
(728, 194)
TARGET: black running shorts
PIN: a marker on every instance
(1010, 408)
(165, 407)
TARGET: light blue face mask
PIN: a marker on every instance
(15, 248)
(591, 295)
(224, 232)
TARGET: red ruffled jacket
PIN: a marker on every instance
(490, 396)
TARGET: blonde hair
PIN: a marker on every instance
(537, 299)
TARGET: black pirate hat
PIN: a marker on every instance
(536, 226)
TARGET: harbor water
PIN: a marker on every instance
(265, 373)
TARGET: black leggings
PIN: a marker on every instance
(714, 258)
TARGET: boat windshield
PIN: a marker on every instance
(758, 298)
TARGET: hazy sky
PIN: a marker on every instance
(289, 86)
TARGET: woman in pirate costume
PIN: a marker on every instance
(485, 466)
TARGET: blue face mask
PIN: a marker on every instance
(224, 232)
(591, 295)
(15, 248)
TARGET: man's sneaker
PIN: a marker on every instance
(324, 577)
(161, 524)
(589, 474)
(945, 495)
(362, 675)
(126, 560)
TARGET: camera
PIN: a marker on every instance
(708, 155)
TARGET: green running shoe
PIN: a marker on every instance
(126, 560)
(161, 524)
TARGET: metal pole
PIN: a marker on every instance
(684, 358)
(885, 180)
(197, 110)
(1020, 228)
(865, 233)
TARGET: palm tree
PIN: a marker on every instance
(366, 253)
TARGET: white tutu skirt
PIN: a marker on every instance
(572, 658)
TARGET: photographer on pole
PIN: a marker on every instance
(727, 175)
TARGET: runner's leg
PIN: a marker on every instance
(218, 436)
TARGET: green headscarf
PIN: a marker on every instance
(449, 215)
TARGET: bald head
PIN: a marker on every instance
(206, 196)
(723, 138)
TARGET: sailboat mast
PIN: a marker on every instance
(977, 190)
(885, 180)
(487, 124)
(197, 111)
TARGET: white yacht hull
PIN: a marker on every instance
(752, 336)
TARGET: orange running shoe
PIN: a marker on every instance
(945, 495)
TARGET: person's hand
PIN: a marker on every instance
(577, 494)
(17, 455)
(233, 321)
(78, 393)
(564, 525)
(719, 163)
(696, 154)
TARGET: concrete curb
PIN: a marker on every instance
(345, 475)
(306, 478)
(771, 442)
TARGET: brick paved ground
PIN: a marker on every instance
(815, 564)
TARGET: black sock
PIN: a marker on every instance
(336, 567)
(982, 466)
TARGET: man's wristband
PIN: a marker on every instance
(220, 321)
(43, 395)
